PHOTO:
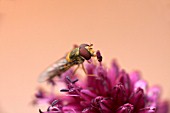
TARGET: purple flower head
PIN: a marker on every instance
(103, 90)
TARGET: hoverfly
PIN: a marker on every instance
(75, 57)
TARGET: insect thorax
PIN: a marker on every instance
(75, 57)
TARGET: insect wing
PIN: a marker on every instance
(53, 70)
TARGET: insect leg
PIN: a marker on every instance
(84, 69)
(76, 69)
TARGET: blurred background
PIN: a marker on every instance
(35, 33)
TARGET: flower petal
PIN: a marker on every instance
(163, 107)
(134, 77)
(107, 105)
(153, 96)
(137, 99)
(90, 68)
(126, 108)
(125, 80)
(87, 94)
(141, 84)
(101, 72)
(113, 73)
(148, 110)
(119, 95)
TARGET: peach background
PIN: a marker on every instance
(35, 33)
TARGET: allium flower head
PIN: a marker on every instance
(103, 90)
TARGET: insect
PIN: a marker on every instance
(75, 57)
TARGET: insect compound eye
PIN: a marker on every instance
(84, 52)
